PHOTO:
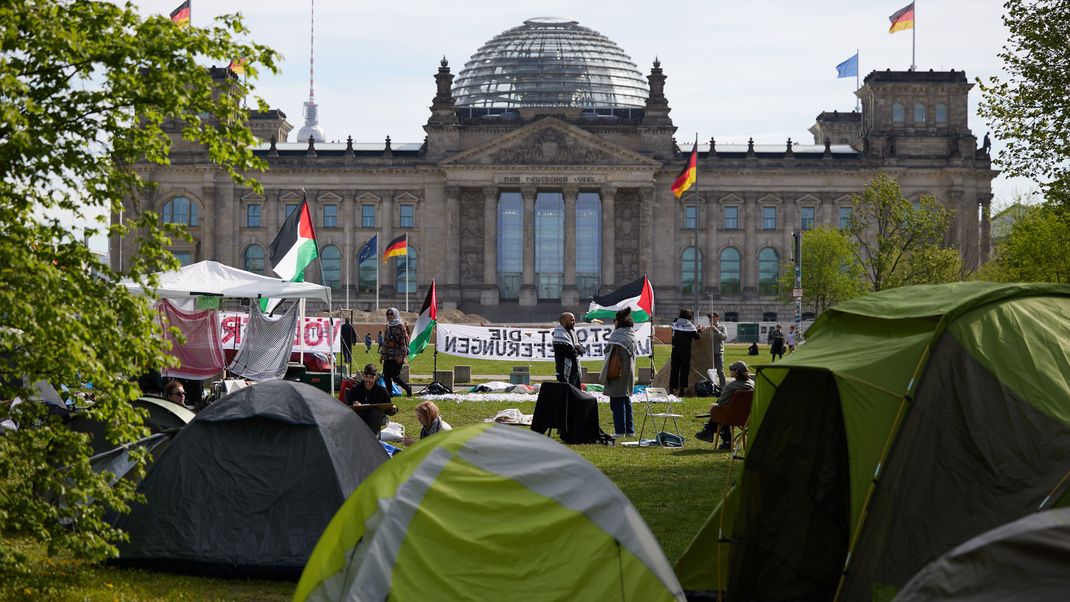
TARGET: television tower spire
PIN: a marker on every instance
(312, 123)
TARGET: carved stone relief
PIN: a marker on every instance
(471, 207)
(626, 223)
(551, 146)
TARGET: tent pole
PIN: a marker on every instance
(301, 329)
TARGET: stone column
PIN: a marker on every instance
(609, 238)
(528, 295)
(350, 269)
(209, 220)
(387, 276)
(702, 222)
(647, 199)
(489, 294)
(984, 244)
(453, 243)
(750, 215)
(569, 294)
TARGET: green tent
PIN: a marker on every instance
(911, 420)
(487, 512)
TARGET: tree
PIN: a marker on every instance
(1036, 250)
(87, 88)
(1030, 109)
(829, 272)
(895, 242)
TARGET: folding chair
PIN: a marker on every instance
(658, 406)
(735, 414)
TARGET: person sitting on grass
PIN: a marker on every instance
(740, 382)
(368, 393)
(430, 419)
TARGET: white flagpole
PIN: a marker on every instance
(914, 40)
(858, 84)
(406, 272)
(376, 272)
(347, 285)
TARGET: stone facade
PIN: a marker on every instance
(445, 192)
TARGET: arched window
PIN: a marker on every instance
(768, 271)
(941, 113)
(731, 316)
(549, 244)
(331, 261)
(181, 210)
(919, 112)
(898, 112)
(688, 267)
(510, 244)
(254, 259)
(730, 284)
(588, 244)
(406, 272)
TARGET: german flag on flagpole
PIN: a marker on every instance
(181, 15)
(689, 175)
(238, 65)
(397, 247)
(902, 19)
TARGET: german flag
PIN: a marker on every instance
(397, 247)
(237, 66)
(903, 19)
(688, 176)
(180, 16)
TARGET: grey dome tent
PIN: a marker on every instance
(163, 416)
(248, 486)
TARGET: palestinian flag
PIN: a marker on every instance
(688, 176)
(903, 19)
(181, 15)
(421, 333)
(397, 247)
(294, 246)
(638, 295)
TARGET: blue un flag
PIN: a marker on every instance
(848, 68)
(369, 250)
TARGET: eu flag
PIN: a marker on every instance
(369, 250)
(848, 68)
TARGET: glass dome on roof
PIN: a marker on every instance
(550, 62)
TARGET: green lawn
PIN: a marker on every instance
(673, 489)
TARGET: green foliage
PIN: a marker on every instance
(896, 243)
(830, 273)
(87, 87)
(1030, 108)
(1036, 250)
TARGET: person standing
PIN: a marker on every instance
(380, 341)
(367, 342)
(567, 350)
(776, 343)
(618, 372)
(684, 333)
(394, 350)
(720, 335)
(349, 338)
(791, 338)
(740, 382)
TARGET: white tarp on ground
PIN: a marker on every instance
(210, 278)
(527, 344)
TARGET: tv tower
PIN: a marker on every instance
(311, 111)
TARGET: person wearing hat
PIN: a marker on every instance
(367, 398)
(740, 382)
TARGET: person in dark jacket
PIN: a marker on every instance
(684, 333)
(369, 393)
(367, 342)
(741, 381)
(776, 343)
(567, 350)
(349, 338)
(394, 351)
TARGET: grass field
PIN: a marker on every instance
(673, 489)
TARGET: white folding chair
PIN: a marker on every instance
(659, 407)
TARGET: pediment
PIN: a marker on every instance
(329, 197)
(291, 196)
(550, 141)
(252, 197)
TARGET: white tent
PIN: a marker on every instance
(211, 278)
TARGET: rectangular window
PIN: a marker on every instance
(845, 217)
(408, 216)
(290, 208)
(807, 218)
(252, 216)
(367, 216)
(731, 218)
(768, 218)
(690, 217)
(330, 216)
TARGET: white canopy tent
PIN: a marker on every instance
(214, 279)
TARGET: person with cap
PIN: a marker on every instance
(567, 350)
(618, 372)
(370, 400)
(394, 350)
(720, 335)
(740, 382)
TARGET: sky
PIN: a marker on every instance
(736, 69)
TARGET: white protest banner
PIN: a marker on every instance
(314, 330)
(529, 344)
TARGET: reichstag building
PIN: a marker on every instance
(545, 179)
